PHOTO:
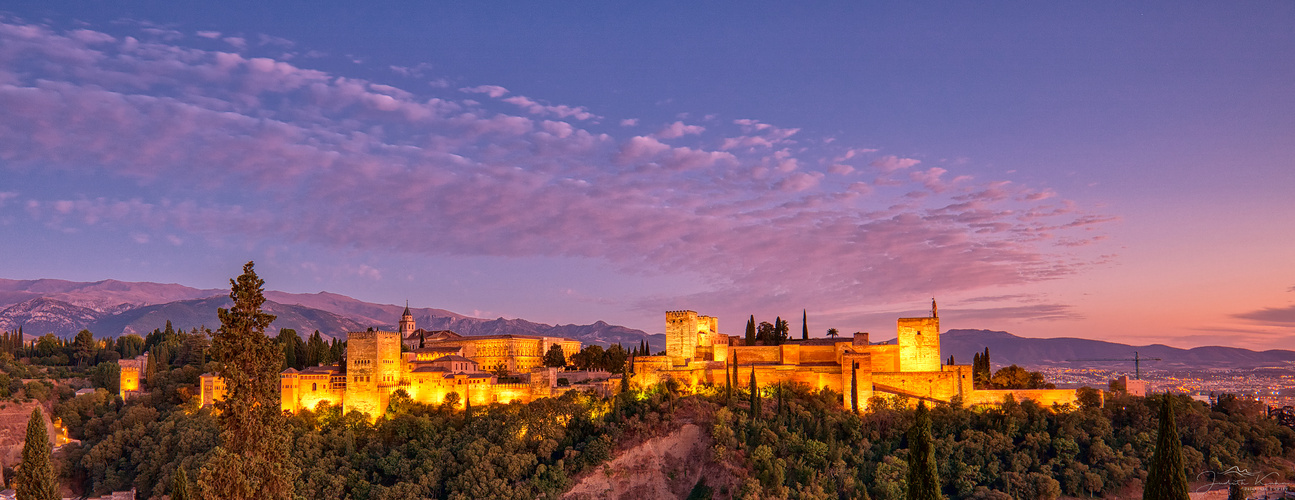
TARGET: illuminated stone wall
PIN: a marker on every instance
(885, 358)
(919, 342)
(1044, 397)
(308, 388)
(912, 367)
(936, 385)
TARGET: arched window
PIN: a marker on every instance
(314, 387)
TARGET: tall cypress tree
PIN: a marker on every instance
(750, 330)
(1166, 478)
(804, 324)
(728, 386)
(923, 475)
(35, 476)
(252, 458)
(467, 404)
(180, 486)
(854, 386)
(755, 395)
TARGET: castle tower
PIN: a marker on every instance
(684, 332)
(919, 344)
(372, 370)
(406, 323)
(289, 395)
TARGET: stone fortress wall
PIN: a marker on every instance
(912, 367)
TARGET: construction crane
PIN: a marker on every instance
(1137, 362)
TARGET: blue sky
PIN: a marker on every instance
(1106, 170)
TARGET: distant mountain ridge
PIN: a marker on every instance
(113, 308)
(1006, 349)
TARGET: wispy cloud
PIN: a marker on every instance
(228, 145)
(1270, 315)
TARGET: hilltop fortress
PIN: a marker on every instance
(912, 367)
(432, 366)
(437, 363)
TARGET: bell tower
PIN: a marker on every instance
(406, 323)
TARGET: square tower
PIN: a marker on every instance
(919, 344)
(685, 331)
(372, 370)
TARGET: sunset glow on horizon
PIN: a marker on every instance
(1107, 171)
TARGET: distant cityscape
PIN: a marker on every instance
(1274, 387)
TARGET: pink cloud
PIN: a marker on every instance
(678, 129)
(561, 111)
(893, 163)
(346, 163)
(493, 91)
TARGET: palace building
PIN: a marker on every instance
(431, 367)
(911, 367)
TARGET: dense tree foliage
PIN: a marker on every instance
(555, 357)
(594, 357)
(1015, 377)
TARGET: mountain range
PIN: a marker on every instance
(113, 308)
(1006, 349)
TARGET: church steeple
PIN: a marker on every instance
(406, 322)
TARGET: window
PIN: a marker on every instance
(314, 387)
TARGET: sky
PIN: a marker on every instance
(1108, 170)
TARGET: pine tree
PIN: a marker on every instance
(923, 476)
(755, 395)
(804, 324)
(750, 330)
(35, 476)
(252, 458)
(1166, 478)
(180, 486)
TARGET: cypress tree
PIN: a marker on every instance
(854, 386)
(252, 458)
(180, 486)
(804, 324)
(728, 386)
(734, 374)
(1166, 478)
(467, 405)
(923, 478)
(755, 395)
(1235, 491)
(625, 378)
(35, 477)
(750, 330)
